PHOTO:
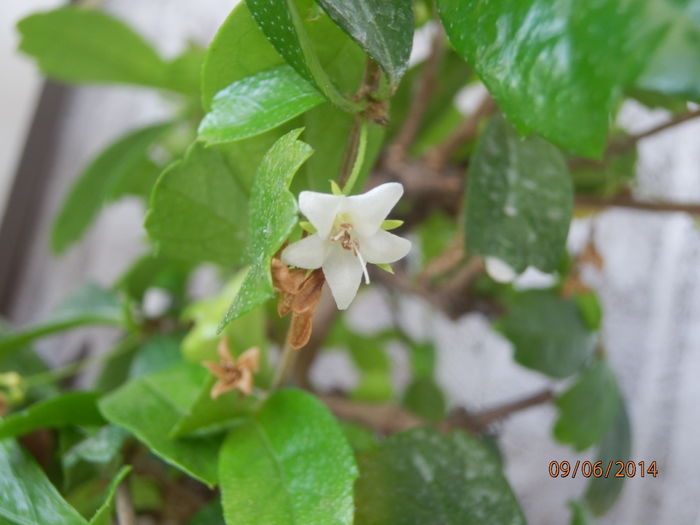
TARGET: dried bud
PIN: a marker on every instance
(233, 374)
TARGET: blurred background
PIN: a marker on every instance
(649, 283)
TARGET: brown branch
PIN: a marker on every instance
(444, 262)
(439, 157)
(419, 105)
(626, 201)
(632, 140)
(125, 510)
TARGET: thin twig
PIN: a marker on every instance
(626, 201)
(445, 261)
(632, 140)
(125, 510)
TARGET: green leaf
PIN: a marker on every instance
(27, 497)
(80, 45)
(210, 514)
(548, 333)
(159, 353)
(588, 408)
(422, 476)
(149, 408)
(90, 304)
(602, 493)
(273, 215)
(73, 408)
(383, 29)
(100, 447)
(256, 104)
(580, 515)
(424, 398)
(554, 67)
(289, 464)
(153, 271)
(100, 182)
(199, 209)
(519, 200)
(185, 71)
(103, 516)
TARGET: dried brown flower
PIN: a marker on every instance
(233, 374)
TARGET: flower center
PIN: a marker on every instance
(342, 233)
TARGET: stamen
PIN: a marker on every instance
(356, 251)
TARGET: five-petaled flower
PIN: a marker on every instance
(349, 235)
(233, 373)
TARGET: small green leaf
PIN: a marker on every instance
(73, 408)
(519, 200)
(290, 464)
(422, 476)
(273, 215)
(149, 408)
(548, 333)
(580, 515)
(602, 493)
(100, 183)
(590, 308)
(588, 408)
(307, 227)
(383, 29)
(391, 224)
(257, 103)
(90, 304)
(27, 497)
(386, 267)
(103, 516)
(81, 45)
(424, 398)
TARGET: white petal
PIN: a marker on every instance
(343, 273)
(369, 210)
(499, 270)
(320, 209)
(308, 253)
(384, 247)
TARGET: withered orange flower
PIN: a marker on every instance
(233, 373)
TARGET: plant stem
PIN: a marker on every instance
(285, 365)
(125, 510)
(358, 155)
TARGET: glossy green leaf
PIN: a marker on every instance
(290, 464)
(588, 408)
(383, 29)
(103, 180)
(81, 45)
(27, 497)
(602, 493)
(149, 408)
(273, 215)
(103, 516)
(422, 476)
(548, 333)
(72, 408)
(555, 68)
(199, 209)
(90, 304)
(519, 200)
(257, 103)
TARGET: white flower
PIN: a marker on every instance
(348, 235)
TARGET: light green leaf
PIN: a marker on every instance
(588, 408)
(79, 45)
(101, 446)
(72, 408)
(383, 29)
(106, 178)
(554, 67)
(157, 354)
(290, 464)
(519, 200)
(103, 516)
(27, 497)
(273, 215)
(90, 304)
(199, 209)
(149, 408)
(422, 476)
(602, 493)
(548, 333)
(256, 104)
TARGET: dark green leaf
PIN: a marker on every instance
(580, 515)
(27, 497)
(90, 304)
(149, 408)
(211, 514)
(602, 493)
(424, 398)
(73, 408)
(80, 45)
(256, 104)
(554, 67)
(290, 464)
(383, 29)
(360, 438)
(519, 200)
(154, 271)
(422, 476)
(273, 215)
(588, 408)
(548, 333)
(103, 180)
(103, 516)
(159, 353)
(100, 447)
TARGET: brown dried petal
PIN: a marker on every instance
(300, 329)
(250, 360)
(309, 294)
(284, 279)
